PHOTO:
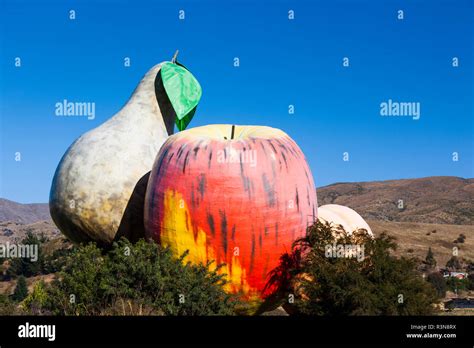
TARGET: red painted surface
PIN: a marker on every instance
(258, 206)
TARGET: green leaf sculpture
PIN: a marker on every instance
(183, 90)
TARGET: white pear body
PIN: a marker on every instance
(99, 172)
(348, 218)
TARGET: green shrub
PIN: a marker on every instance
(34, 302)
(380, 284)
(25, 266)
(56, 260)
(7, 306)
(455, 285)
(141, 278)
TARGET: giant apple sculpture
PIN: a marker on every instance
(238, 195)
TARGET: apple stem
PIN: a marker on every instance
(173, 60)
(232, 133)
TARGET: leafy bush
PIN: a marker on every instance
(141, 278)
(34, 302)
(24, 266)
(56, 260)
(310, 283)
(460, 239)
(7, 306)
(455, 285)
(46, 263)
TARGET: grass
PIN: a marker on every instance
(414, 239)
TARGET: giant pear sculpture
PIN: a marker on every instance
(99, 186)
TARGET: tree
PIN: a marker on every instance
(430, 261)
(455, 284)
(378, 284)
(453, 264)
(438, 282)
(21, 290)
(26, 266)
(470, 281)
(470, 267)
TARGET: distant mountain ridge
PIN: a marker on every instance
(438, 199)
(23, 213)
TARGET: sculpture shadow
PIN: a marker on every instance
(166, 108)
(132, 225)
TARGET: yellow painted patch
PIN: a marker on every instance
(179, 236)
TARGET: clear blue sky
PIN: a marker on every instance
(282, 62)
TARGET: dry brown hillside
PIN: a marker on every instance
(415, 238)
(23, 213)
(15, 232)
(439, 200)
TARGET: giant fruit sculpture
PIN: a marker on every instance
(343, 216)
(239, 195)
(99, 185)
